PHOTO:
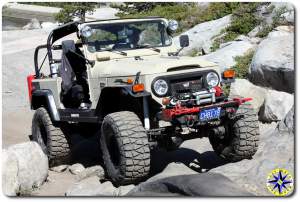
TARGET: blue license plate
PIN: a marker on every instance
(210, 114)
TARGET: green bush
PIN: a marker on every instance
(242, 22)
(187, 14)
(264, 31)
(244, 18)
(242, 64)
(228, 36)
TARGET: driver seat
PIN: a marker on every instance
(75, 89)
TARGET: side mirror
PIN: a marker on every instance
(184, 41)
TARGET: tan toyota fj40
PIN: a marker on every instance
(125, 78)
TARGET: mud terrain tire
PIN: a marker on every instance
(51, 139)
(125, 148)
(241, 142)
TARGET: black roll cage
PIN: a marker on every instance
(54, 35)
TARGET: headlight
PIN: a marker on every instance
(212, 79)
(173, 25)
(160, 87)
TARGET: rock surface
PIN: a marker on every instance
(205, 184)
(48, 26)
(276, 150)
(287, 124)
(267, 13)
(123, 190)
(90, 172)
(244, 88)
(173, 169)
(287, 9)
(76, 168)
(225, 56)
(273, 62)
(10, 181)
(201, 36)
(87, 187)
(25, 168)
(276, 106)
(59, 169)
(34, 24)
(91, 187)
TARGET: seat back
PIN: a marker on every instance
(66, 71)
(72, 72)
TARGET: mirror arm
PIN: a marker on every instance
(177, 53)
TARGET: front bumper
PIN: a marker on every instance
(178, 111)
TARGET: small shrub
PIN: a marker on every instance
(270, 8)
(264, 31)
(187, 14)
(242, 64)
(228, 36)
(194, 53)
(277, 19)
(242, 22)
(226, 89)
(215, 45)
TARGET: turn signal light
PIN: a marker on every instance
(229, 73)
(130, 81)
(138, 88)
(166, 101)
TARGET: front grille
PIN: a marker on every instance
(186, 86)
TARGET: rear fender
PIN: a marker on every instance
(45, 98)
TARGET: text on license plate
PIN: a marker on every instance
(210, 114)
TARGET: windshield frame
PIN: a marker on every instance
(85, 42)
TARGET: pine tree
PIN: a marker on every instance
(75, 9)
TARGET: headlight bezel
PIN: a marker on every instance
(206, 79)
(153, 88)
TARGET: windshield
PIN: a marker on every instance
(126, 36)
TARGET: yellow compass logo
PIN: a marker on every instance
(280, 182)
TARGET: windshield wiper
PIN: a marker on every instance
(117, 51)
(148, 46)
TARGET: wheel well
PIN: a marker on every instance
(39, 101)
(117, 99)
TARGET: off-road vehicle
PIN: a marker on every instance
(125, 77)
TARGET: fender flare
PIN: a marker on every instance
(128, 90)
(46, 96)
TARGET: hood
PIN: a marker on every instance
(147, 65)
